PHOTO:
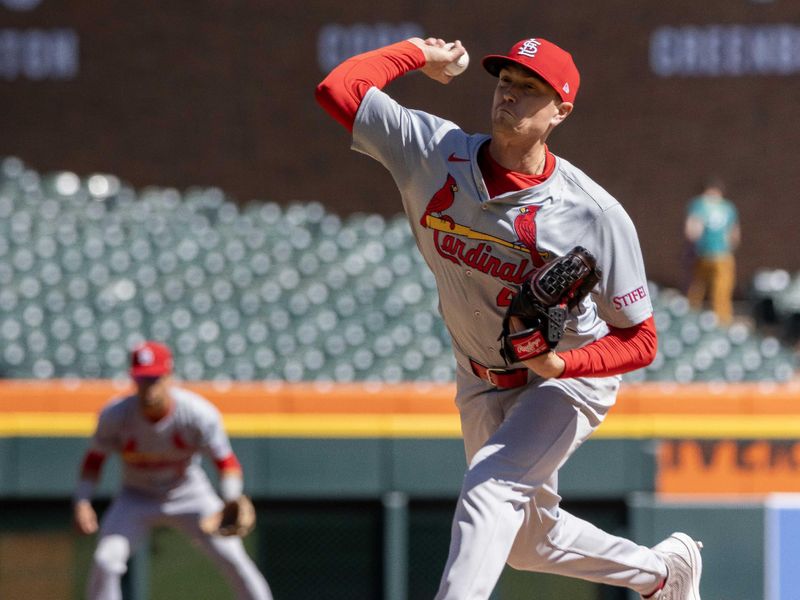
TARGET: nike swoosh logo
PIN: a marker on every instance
(454, 158)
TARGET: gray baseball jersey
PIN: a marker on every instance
(480, 248)
(161, 457)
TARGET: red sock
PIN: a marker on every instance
(660, 586)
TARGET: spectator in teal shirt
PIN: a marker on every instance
(712, 227)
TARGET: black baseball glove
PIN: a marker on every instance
(543, 302)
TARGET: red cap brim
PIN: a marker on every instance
(493, 63)
(149, 371)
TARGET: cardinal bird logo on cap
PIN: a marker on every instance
(525, 228)
(441, 201)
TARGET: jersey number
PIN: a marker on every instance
(505, 296)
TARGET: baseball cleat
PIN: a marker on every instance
(684, 567)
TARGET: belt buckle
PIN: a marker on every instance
(490, 371)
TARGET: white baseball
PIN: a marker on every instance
(458, 66)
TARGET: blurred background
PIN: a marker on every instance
(166, 173)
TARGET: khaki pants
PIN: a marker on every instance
(717, 276)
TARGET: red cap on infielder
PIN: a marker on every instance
(544, 58)
(150, 359)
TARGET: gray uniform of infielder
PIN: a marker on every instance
(164, 484)
(516, 439)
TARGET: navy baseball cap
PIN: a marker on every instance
(545, 59)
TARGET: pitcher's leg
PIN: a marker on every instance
(551, 540)
(486, 521)
(539, 432)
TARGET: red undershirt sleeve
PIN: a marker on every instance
(342, 91)
(229, 464)
(231, 482)
(92, 464)
(622, 350)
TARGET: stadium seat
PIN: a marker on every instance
(265, 291)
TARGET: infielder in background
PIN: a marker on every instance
(160, 431)
(487, 212)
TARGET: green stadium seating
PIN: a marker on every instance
(89, 266)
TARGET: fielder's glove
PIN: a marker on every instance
(237, 517)
(543, 302)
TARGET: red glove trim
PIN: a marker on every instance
(528, 344)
